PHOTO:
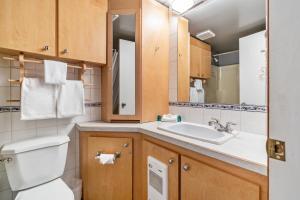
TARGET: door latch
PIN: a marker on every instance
(276, 149)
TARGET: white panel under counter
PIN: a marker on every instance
(246, 150)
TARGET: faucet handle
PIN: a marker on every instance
(215, 120)
(230, 124)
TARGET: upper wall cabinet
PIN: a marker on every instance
(82, 30)
(200, 59)
(28, 25)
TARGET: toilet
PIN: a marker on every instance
(34, 168)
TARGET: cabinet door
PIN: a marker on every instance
(155, 60)
(183, 68)
(205, 67)
(195, 61)
(203, 182)
(109, 182)
(82, 30)
(28, 25)
(165, 156)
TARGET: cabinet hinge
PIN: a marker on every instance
(276, 149)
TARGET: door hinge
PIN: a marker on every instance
(276, 149)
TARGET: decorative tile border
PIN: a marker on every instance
(5, 109)
(235, 107)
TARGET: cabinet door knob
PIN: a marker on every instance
(171, 161)
(64, 51)
(186, 167)
(125, 145)
(45, 48)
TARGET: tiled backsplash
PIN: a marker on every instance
(252, 122)
(13, 129)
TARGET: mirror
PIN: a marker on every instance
(227, 53)
(123, 64)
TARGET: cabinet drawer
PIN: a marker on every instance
(109, 182)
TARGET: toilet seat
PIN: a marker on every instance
(54, 190)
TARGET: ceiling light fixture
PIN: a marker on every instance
(182, 6)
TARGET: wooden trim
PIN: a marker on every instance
(200, 44)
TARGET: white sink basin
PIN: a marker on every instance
(198, 132)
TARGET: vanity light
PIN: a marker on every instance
(182, 5)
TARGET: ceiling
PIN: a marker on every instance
(228, 19)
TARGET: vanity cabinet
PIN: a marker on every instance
(171, 159)
(28, 25)
(200, 181)
(82, 30)
(200, 63)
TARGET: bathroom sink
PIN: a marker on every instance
(198, 132)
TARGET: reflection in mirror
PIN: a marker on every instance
(227, 58)
(123, 64)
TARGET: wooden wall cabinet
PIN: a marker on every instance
(72, 29)
(82, 30)
(183, 60)
(28, 26)
(152, 61)
(169, 158)
(200, 63)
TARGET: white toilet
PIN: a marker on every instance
(35, 167)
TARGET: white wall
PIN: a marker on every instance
(253, 69)
(13, 129)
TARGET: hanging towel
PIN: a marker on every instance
(38, 100)
(55, 72)
(70, 101)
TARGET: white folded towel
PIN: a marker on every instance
(70, 100)
(55, 72)
(38, 100)
(169, 118)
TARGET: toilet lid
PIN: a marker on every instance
(54, 190)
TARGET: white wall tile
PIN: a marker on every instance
(23, 134)
(18, 124)
(47, 131)
(6, 195)
(254, 122)
(4, 95)
(5, 122)
(4, 76)
(4, 184)
(208, 114)
(231, 116)
(5, 138)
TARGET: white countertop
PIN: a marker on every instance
(245, 150)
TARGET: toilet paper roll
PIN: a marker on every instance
(106, 159)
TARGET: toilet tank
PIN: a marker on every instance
(35, 161)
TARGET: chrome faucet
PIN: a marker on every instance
(221, 128)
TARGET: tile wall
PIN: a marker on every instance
(13, 129)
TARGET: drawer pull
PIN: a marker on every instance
(126, 145)
(171, 161)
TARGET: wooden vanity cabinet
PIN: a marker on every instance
(168, 157)
(82, 30)
(28, 25)
(200, 59)
(200, 181)
(121, 180)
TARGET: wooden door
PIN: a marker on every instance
(155, 60)
(82, 30)
(28, 26)
(183, 68)
(165, 156)
(109, 182)
(203, 182)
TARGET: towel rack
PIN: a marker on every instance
(21, 59)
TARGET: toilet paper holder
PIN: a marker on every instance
(117, 154)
